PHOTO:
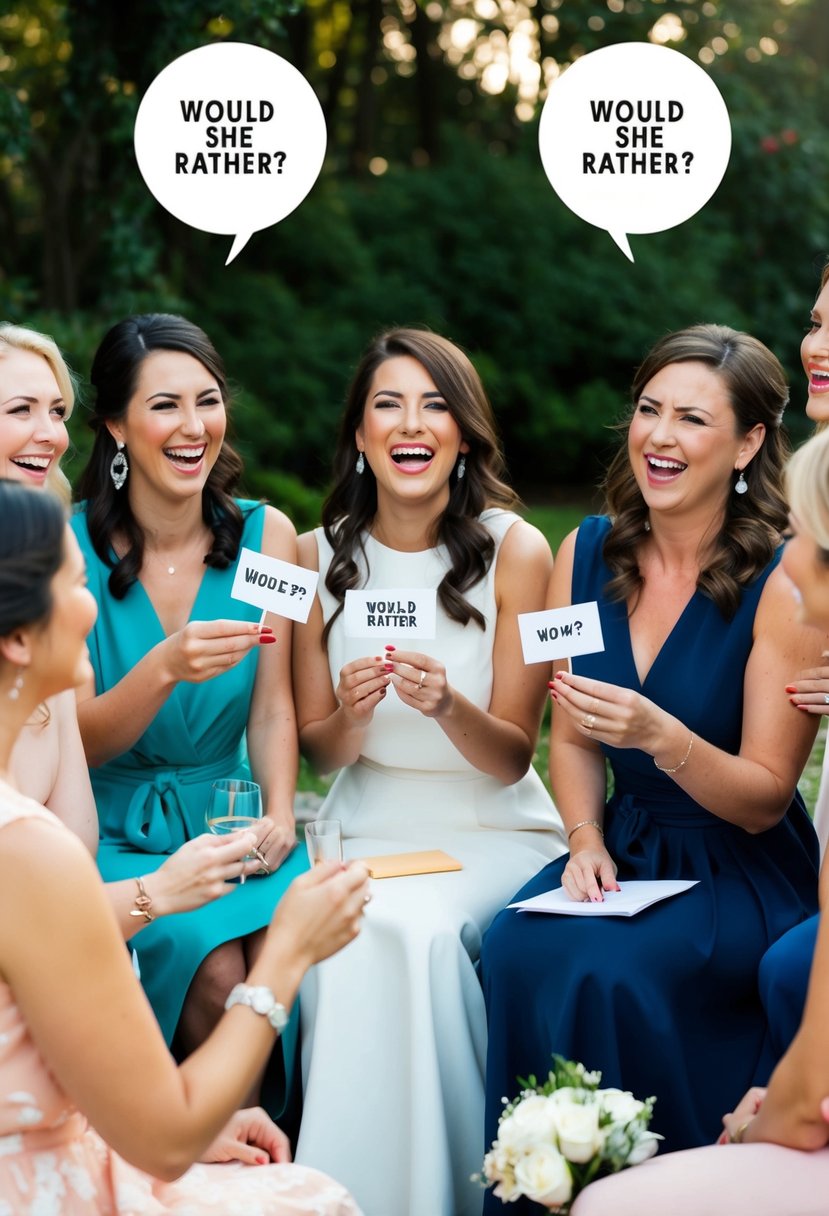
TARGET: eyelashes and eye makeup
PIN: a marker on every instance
(23, 409)
(645, 407)
(389, 403)
(171, 404)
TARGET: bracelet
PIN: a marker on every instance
(737, 1138)
(587, 823)
(143, 902)
(261, 1000)
(682, 762)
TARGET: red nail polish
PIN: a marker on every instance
(261, 1160)
(550, 684)
(390, 647)
(554, 694)
(265, 629)
(559, 675)
(803, 707)
(791, 688)
(264, 638)
(389, 667)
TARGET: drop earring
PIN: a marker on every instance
(741, 486)
(361, 462)
(119, 468)
(461, 468)
(14, 691)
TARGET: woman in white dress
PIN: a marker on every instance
(434, 741)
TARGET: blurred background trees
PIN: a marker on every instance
(432, 208)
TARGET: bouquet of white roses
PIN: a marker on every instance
(556, 1137)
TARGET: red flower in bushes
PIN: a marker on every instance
(789, 136)
(770, 144)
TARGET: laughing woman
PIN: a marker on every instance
(187, 688)
(434, 742)
(700, 628)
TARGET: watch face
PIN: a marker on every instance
(261, 1000)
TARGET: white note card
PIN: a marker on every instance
(560, 633)
(393, 613)
(280, 587)
(633, 897)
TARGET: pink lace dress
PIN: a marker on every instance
(53, 1164)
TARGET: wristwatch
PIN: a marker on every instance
(260, 1000)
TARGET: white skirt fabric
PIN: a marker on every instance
(393, 1027)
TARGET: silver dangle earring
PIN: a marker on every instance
(461, 467)
(14, 691)
(361, 462)
(119, 468)
(741, 486)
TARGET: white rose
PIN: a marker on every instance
(643, 1147)
(620, 1105)
(544, 1176)
(579, 1137)
(532, 1122)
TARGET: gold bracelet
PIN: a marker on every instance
(143, 902)
(587, 823)
(682, 762)
(737, 1138)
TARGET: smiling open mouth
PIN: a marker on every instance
(818, 381)
(413, 457)
(32, 464)
(662, 469)
(185, 457)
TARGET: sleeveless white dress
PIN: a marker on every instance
(393, 1027)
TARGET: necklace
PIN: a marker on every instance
(171, 569)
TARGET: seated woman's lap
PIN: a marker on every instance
(784, 979)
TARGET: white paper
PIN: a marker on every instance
(560, 633)
(633, 897)
(280, 587)
(398, 612)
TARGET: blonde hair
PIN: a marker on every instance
(16, 337)
(807, 485)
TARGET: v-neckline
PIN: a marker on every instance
(642, 680)
(190, 615)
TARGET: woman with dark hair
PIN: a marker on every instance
(61, 950)
(434, 741)
(48, 763)
(181, 694)
(687, 704)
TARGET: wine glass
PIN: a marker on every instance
(232, 806)
(324, 839)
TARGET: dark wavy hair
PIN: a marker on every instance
(114, 376)
(750, 532)
(352, 503)
(31, 552)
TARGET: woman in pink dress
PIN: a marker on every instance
(773, 1156)
(78, 1040)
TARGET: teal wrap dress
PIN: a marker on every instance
(153, 798)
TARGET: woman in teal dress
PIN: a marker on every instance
(686, 702)
(188, 687)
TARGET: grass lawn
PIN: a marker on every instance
(555, 522)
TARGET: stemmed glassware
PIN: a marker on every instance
(233, 805)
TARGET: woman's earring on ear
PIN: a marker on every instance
(119, 468)
(461, 467)
(741, 486)
(14, 691)
(361, 462)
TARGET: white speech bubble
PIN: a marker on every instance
(230, 138)
(682, 139)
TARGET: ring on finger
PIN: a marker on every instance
(422, 681)
(260, 857)
(826, 698)
(588, 722)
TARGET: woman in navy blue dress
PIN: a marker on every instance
(687, 704)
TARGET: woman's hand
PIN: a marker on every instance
(250, 1136)
(204, 649)
(810, 691)
(589, 872)
(420, 682)
(735, 1123)
(361, 688)
(276, 839)
(199, 872)
(613, 715)
(322, 910)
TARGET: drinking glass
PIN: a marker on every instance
(324, 839)
(232, 806)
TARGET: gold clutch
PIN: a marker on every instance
(399, 865)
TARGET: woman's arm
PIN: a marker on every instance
(501, 739)
(332, 724)
(754, 788)
(65, 961)
(578, 777)
(271, 730)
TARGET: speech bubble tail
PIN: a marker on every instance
(621, 239)
(239, 241)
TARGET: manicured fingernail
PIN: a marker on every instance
(559, 675)
(389, 667)
(261, 1160)
(550, 684)
(390, 647)
(554, 694)
(264, 638)
(791, 688)
(378, 659)
(804, 707)
(265, 629)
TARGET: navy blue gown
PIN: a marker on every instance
(666, 1002)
